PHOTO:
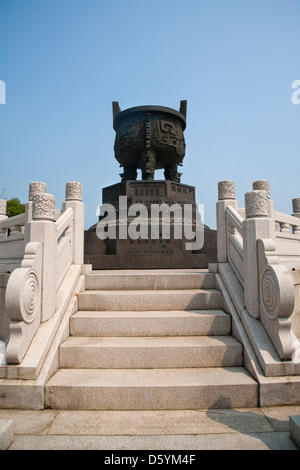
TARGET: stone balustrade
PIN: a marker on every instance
(261, 258)
(52, 241)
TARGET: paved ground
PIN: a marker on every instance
(238, 429)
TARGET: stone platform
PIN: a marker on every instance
(181, 430)
(149, 253)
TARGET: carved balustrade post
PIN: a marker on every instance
(3, 216)
(36, 187)
(296, 207)
(42, 229)
(296, 213)
(74, 200)
(3, 209)
(43, 207)
(226, 197)
(264, 185)
(257, 225)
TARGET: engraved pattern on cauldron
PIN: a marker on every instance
(162, 134)
(130, 137)
(168, 135)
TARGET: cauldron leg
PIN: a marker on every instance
(172, 174)
(148, 159)
(129, 173)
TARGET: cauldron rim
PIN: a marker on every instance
(149, 108)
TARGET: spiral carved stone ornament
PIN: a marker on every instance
(277, 291)
(23, 295)
(270, 293)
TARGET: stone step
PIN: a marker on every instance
(150, 323)
(149, 280)
(150, 352)
(141, 300)
(151, 389)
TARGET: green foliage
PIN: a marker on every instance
(14, 207)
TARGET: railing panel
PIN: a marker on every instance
(64, 232)
(235, 219)
(280, 217)
(64, 257)
(12, 249)
(18, 220)
(235, 259)
(64, 221)
(235, 242)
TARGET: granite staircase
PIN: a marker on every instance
(150, 340)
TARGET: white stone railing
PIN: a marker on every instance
(11, 239)
(53, 241)
(288, 236)
(234, 236)
(262, 258)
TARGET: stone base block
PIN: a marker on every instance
(150, 253)
(295, 429)
(6, 433)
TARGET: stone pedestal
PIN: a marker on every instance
(149, 253)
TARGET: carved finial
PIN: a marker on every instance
(2, 207)
(296, 206)
(36, 187)
(226, 190)
(263, 185)
(73, 191)
(257, 204)
(43, 207)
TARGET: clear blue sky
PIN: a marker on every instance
(65, 61)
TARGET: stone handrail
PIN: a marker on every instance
(235, 242)
(11, 240)
(15, 225)
(64, 229)
(250, 247)
(288, 239)
(235, 219)
(53, 242)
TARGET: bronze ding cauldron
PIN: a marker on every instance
(149, 138)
